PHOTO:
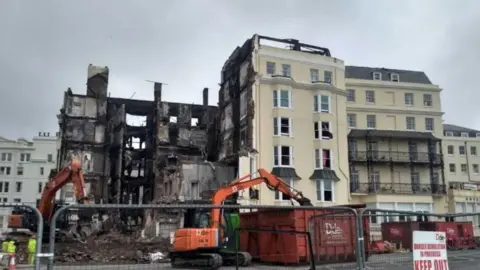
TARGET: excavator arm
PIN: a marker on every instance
(72, 172)
(245, 182)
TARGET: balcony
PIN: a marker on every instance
(393, 156)
(397, 188)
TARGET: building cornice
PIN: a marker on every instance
(302, 57)
(391, 85)
(384, 110)
(298, 85)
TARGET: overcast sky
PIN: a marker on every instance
(46, 46)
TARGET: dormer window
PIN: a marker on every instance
(377, 76)
(449, 134)
(394, 77)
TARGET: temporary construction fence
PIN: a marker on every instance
(274, 236)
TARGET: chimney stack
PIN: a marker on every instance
(205, 96)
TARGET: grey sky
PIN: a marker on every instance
(46, 46)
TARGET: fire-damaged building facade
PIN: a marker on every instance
(166, 158)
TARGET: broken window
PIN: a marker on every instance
(281, 126)
(326, 132)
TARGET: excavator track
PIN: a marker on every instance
(229, 259)
(211, 261)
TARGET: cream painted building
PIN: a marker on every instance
(395, 154)
(462, 163)
(297, 100)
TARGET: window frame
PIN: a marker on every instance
(277, 98)
(394, 77)
(412, 99)
(464, 135)
(475, 169)
(427, 100)
(18, 186)
(317, 103)
(274, 68)
(473, 150)
(448, 134)
(374, 120)
(320, 187)
(277, 154)
(318, 157)
(20, 170)
(460, 147)
(367, 101)
(351, 95)
(463, 168)
(452, 148)
(450, 168)
(407, 123)
(314, 75)
(277, 127)
(327, 79)
(280, 195)
(287, 70)
(318, 130)
(427, 124)
(375, 75)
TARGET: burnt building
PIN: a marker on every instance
(165, 158)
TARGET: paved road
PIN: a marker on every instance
(458, 260)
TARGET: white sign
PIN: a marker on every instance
(429, 251)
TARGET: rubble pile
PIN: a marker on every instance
(113, 247)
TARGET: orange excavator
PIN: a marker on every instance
(209, 241)
(25, 218)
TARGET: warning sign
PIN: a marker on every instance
(429, 251)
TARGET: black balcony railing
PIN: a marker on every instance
(397, 188)
(463, 185)
(394, 156)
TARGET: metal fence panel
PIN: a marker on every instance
(275, 237)
(390, 243)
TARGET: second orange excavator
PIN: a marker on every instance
(208, 242)
(24, 218)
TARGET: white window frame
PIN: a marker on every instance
(352, 92)
(450, 168)
(406, 123)
(464, 134)
(377, 76)
(412, 101)
(287, 70)
(278, 94)
(320, 130)
(463, 168)
(349, 116)
(460, 147)
(325, 80)
(318, 155)
(426, 101)
(314, 75)
(278, 122)
(473, 153)
(475, 168)
(427, 124)
(291, 183)
(279, 153)
(375, 121)
(448, 150)
(449, 134)
(373, 96)
(320, 186)
(274, 67)
(20, 169)
(6, 157)
(25, 157)
(394, 77)
(317, 104)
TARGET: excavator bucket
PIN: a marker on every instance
(304, 202)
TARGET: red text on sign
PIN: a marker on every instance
(431, 265)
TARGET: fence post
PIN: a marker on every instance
(360, 241)
(51, 240)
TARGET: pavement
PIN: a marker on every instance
(458, 260)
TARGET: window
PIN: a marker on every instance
(18, 186)
(377, 76)
(427, 100)
(282, 99)
(282, 126)
(42, 171)
(5, 170)
(452, 167)
(323, 159)
(370, 96)
(24, 157)
(394, 77)
(461, 150)
(19, 170)
(429, 124)
(477, 135)
(351, 95)
(371, 121)
(324, 190)
(322, 130)
(449, 134)
(473, 150)
(409, 99)
(283, 197)
(321, 103)
(314, 75)
(464, 134)
(286, 70)
(450, 150)
(270, 68)
(475, 168)
(282, 156)
(17, 200)
(410, 123)
(374, 180)
(50, 158)
(40, 187)
(6, 156)
(327, 76)
(354, 183)
(415, 178)
(6, 187)
(463, 168)
(352, 120)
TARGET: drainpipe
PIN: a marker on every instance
(468, 163)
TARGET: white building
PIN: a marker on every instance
(24, 169)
